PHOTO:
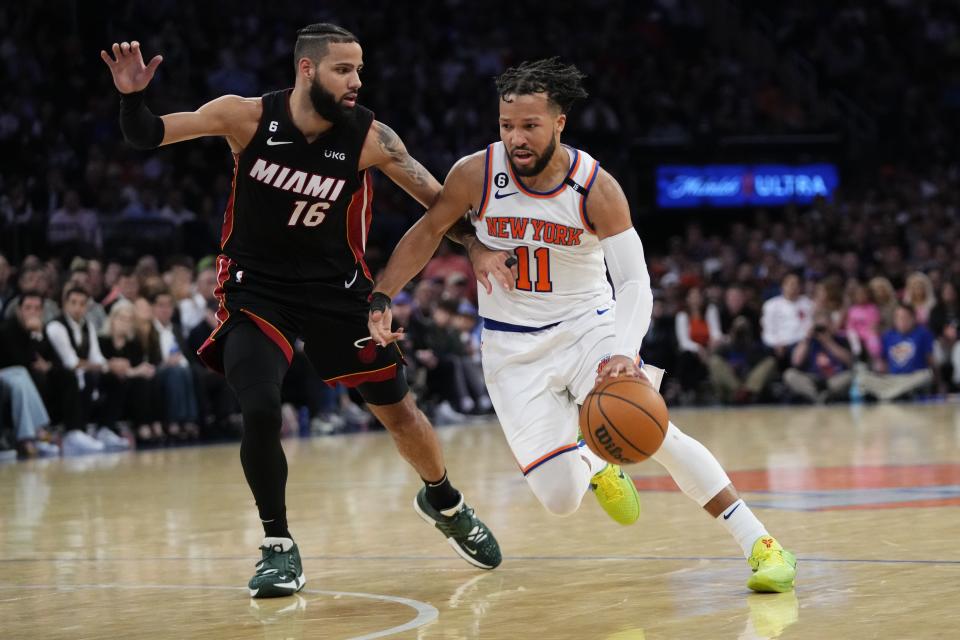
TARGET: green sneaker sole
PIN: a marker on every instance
(778, 580)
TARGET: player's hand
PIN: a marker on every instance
(380, 324)
(618, 366)
(126, 66)
(493, 265)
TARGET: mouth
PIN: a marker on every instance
(523, 156)
(349, 100)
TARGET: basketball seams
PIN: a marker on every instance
(619, 433)
(634, 404)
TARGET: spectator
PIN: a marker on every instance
(33, 279)
(127, 287)
(821, 362)
(786, 319)
(734, 306)
(129, 392)
(175, 211)
(23, 343)
(446, 262)
(884, 296)
(694, 338)
(76, 345)
(741, 368)
(943, 323)
(173, 373)
(919, 294)
(28, 411)
(193, 306)
(72, 229)
(660, 344)
(863, 321)
(908, 359)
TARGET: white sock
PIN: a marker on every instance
(285, 543)
(742, 525)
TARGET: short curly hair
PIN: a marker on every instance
(561, 82)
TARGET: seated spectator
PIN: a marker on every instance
(862, 321)
(438, 350)
(23, 343)
(694, 338)
(80, 278)
(943, 322)
(127, 287)
(448, 261)
(76, 345)
(659, 346)
(466, 322)
(741, 368)
(173, 373)
(821, 362)
(918, 293)
(193, 305)
(786, 319)
(28, 412)
(217, 404)
(32, 278)
(907, 359)
(129, 392)
(884, 296)
(734, 306)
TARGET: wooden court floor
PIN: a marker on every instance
(160, 544)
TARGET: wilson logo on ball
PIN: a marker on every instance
(605, 439)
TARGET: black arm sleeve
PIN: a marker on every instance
(141, 128)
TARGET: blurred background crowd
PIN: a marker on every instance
(106, 276)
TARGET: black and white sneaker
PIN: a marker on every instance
(465, 532)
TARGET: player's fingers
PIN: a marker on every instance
(485, 281)
(506, 278)
(154, 63)
(116, 51)
(125, 48)
(106, 57)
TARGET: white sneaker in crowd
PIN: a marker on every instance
(76, 442)
(46, 449)
(112, 441)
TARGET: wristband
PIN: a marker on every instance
(379, 301)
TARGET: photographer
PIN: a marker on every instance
(821, 363)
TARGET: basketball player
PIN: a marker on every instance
(548, 330)
(292, 266)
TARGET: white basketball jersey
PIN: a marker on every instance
(562, 274)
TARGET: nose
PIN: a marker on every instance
(354, 84)
(516, 138)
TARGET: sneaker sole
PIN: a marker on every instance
(453, 543)
(279, 590)
(763, 585)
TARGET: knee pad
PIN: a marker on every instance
(691, 465)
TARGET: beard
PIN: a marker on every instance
(327, 105)
(537, 166)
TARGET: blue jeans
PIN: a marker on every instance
(180, 396)
(29, 414)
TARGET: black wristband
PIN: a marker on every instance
(510, 261)
(379, 301)
(141, 128)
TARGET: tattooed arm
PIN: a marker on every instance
(384, 150)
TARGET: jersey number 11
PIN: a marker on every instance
(542, 258)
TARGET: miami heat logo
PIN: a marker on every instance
(367, 350)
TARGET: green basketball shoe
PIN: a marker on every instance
(465, 532)
(279, 573)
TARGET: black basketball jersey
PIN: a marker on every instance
(300, 211)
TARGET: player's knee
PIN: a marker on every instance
(260, 407)
(558, 493)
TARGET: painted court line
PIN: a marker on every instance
(425, 613)
(506, 558)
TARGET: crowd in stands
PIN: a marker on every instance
(850, 298)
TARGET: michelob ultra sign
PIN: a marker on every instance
(735, 185)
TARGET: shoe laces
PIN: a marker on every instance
(275, 559)
(607, 485)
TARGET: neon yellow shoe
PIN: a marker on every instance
(617, 494)
(774, 568)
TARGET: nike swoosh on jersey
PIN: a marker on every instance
(499, 195)
(272, 143)
(600, 312)
(347, 285)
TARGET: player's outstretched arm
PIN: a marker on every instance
(384, 150)
(462, 187)
(609, 212)
(230, 116)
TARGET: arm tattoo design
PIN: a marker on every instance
(391, 145)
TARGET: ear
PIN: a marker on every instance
(306, 68)
(561, 122)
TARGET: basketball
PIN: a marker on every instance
(624, 420)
